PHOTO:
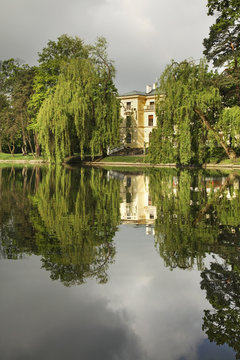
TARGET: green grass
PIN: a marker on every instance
(230, 161)
(4, 156)
(225, 161)
(126, 159)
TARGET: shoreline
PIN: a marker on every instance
(175, 166)
(24, 162)
(126, 164)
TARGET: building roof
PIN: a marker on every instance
(141, 93)
(132, 93)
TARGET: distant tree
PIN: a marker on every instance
(21, 95)
(16, 82)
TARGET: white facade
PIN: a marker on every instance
(138, 117)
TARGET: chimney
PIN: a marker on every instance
(154, 86)
(148, 89)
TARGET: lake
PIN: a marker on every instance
(119, 264)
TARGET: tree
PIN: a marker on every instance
(188, 115)
(16, 82)
(223, 42)
(4, 106)
(223, 45)
(21, 95)
(83, 112)
(51, 60)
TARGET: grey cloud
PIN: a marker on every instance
(143, 36)
(49, 321)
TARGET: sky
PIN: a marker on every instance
(143, 36)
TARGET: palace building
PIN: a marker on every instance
(138, 117)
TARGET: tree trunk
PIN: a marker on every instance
(11, 149)
(30, 144)
(230, 153)
(37, 147)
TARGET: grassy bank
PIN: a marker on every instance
(19, 157)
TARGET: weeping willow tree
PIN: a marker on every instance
(188, 117)
(83, 112)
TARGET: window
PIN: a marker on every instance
(128, 107)
(151, 105)
(150, 120)
(128, 138)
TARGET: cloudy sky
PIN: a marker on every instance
(143, 36)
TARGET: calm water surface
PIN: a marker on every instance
(119, 265)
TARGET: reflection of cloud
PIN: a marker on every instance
(144, 312)
(49, 321)
(166, 307)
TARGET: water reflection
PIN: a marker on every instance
(70, 218)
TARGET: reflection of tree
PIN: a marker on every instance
(79, 214)
(67, 217)
(16, 230)
(195, 213)
(178, 197)
(222, 324)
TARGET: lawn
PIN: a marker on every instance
(4, 156)
(126, 159)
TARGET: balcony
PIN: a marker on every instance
(149, 108)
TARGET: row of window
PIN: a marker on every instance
(129, 121)
(129, 105)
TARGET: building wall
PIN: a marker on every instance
(139, 107)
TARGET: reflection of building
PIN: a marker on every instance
(138, 115)
(136, 206)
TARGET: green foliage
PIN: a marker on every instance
(223, 42)
(223, 47)
(221, 324)
(196, 214)
(67, 217)
(181, 134)
(16, 89)
(229, 124)
(78, 219)
(50, 62)
(83, 112)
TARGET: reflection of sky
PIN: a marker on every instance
(144, 312)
